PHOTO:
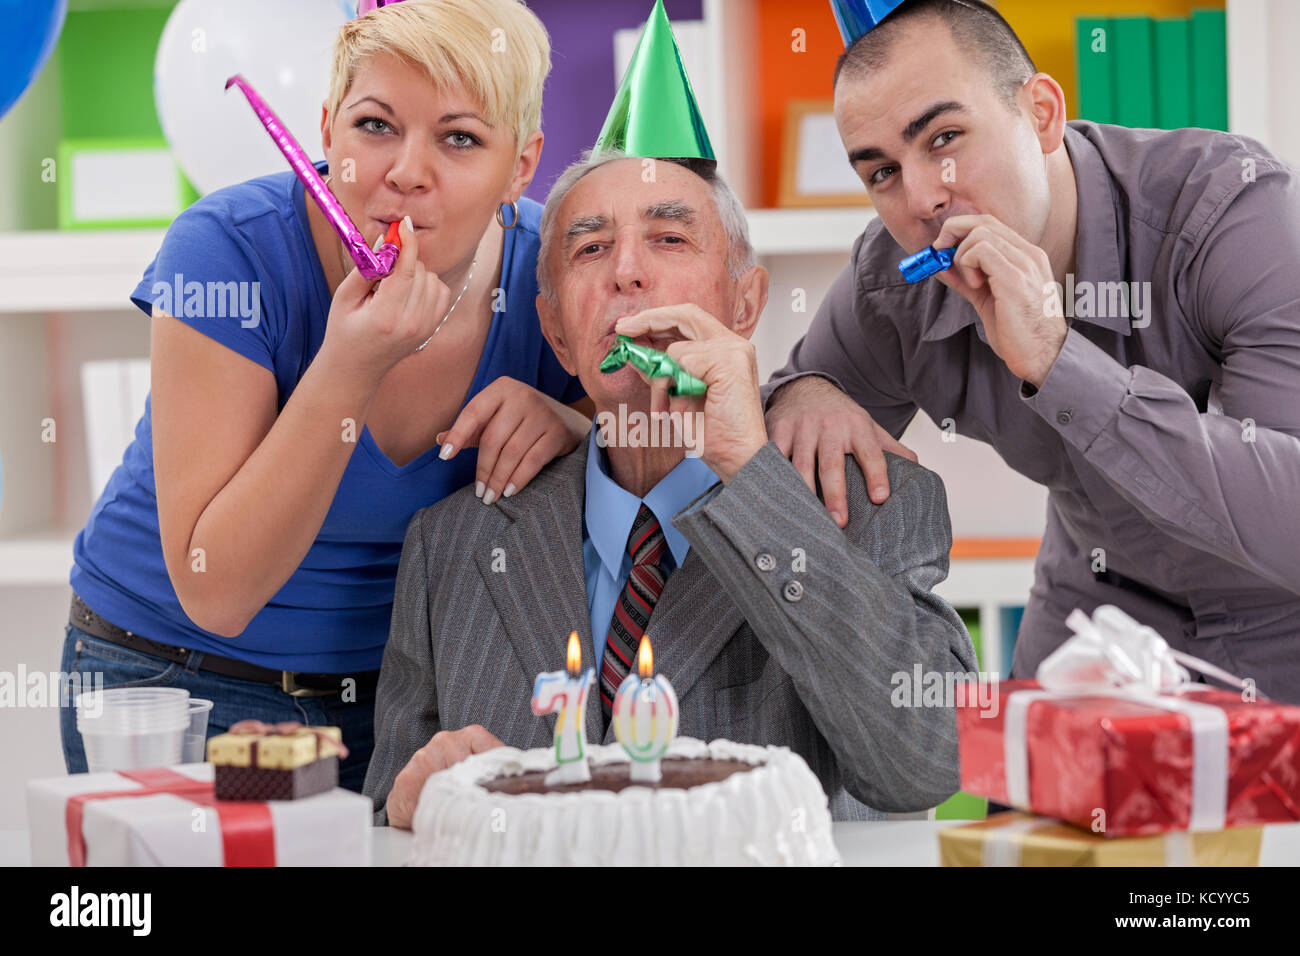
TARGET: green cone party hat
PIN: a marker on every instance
(654, 112)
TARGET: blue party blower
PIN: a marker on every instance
(927, 262)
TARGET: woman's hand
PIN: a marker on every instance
(518, 430)
(372, 327)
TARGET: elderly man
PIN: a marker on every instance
(773, 624)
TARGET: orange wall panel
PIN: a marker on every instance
(786, 75)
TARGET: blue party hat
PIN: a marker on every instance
(856, 17)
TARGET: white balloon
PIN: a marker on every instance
(283, 49)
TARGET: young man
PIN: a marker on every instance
(1121, 322)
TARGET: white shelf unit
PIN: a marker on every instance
(35, 559)
(79, 271)
(989, 585)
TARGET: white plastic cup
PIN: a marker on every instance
(130, 727)
(195, 747)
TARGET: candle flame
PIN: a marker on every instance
(645, 658)
(573, 658)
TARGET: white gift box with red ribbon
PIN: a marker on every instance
(167, 817)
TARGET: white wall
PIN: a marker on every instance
(1264, 73)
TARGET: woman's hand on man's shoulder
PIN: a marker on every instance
(518, 431)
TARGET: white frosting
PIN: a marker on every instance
(773, 815)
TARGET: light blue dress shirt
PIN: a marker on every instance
(608, 514)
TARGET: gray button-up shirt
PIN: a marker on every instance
(1168, 429)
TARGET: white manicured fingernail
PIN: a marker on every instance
(407, 220)
(490, 497)
(446, 452)
(378, 242)
(478, 489)
(510, 490)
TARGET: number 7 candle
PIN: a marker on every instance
(564, 693)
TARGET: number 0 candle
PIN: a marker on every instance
(564, 693)
(645, 716)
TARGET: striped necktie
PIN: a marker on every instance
(645, 582)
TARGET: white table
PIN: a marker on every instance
(889, 843)
(886, 843)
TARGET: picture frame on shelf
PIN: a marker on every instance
(119, 183)
(814, 169)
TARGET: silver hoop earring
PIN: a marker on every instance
(501, 219)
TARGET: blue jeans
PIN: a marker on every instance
(232, 699)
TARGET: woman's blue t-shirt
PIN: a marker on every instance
(332, 615)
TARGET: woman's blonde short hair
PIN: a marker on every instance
(498, 49)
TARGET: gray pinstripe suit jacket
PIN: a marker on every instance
(748, 662)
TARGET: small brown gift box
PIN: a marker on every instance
(275, 766)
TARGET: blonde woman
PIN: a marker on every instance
(247, 547)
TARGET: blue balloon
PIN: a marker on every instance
(856, 17)
(28, 32)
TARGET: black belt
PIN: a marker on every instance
(294, 683)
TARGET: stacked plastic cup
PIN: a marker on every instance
(196, 734)
(130, 727)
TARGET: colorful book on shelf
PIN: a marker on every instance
(1209, 69)
(1166, 73)
(1093, 56)
(1172, 38)
(1132, 76)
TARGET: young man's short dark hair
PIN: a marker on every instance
(976, 27)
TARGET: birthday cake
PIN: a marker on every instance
(716, 804)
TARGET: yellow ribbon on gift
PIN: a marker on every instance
(1021, 839)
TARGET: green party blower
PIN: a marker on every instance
(654, 364)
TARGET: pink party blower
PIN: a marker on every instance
(372, 265)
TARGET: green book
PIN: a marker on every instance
(970, 616)
(1209, 68)
(1134, 77)
(962, 806)
(1092, 42)
(1173, 73)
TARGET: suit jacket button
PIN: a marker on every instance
(765, 562)
(1064, 416)
(793, 591)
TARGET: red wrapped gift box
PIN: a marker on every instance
(1132, 759)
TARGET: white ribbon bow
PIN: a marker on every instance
(1112, 654)
(1112, 651)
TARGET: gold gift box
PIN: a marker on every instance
(1022, 839)
(272, 751)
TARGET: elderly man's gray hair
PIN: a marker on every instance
(740, 254)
